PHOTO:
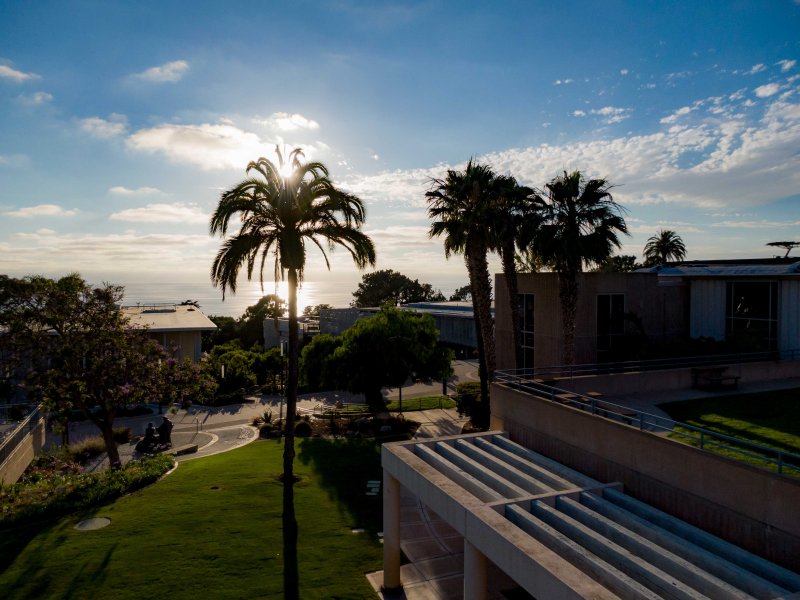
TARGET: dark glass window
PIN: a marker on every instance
(610, 325)
(526, 312)
(751, 315)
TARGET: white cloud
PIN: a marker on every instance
(120, 190)
(624, 71)
(563, 81)
(786, 65)
(162, 213)
(18, 76)
(612, 114)
(678, 114)
(35, 99)
(211, 146)
(170, 72)
(41, 210)
(284, 121)
(578, 113)
(376, 157)
(757, 69)
(767, 90)
(98, 127)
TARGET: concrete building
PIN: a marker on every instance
(757, 301)
(177, 326)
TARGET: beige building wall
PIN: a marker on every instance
(188, 343)
(662, 309)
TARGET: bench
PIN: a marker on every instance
(713, 378)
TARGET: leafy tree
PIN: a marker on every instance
(312, 312)
(251, 323)
(316, 373)
(227, 330)
(82, 353)
(278, 215)
(527, 260)
(662, 247)
(619, 263)
(390, 287)
(580, 226)
(460, 206)
(788, 246)
(385, 350)
(461, 294)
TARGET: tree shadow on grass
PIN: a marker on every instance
(344, 468)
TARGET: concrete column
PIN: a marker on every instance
(475, 578)
(391, 532)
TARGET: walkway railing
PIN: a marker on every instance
(703, 438)
(658, 364)
(13, 439)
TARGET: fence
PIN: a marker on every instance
(704, 438)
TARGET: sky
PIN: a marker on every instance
(121, 123)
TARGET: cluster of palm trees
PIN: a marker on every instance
(571, 224)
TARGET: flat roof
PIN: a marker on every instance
(168, 317)
(550, 527)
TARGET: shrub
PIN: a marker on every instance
(123, 435)
(469, 403)
(63, 492)
(303, 429)
(86, 449)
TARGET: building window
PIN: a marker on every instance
(752, 314)
(525, 359)
(610, 327)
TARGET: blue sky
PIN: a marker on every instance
(121, 122)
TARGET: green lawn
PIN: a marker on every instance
(422, 403)
(769, 418)
(212, 529)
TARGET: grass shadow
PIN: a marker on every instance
(343, 468)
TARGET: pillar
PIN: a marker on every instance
(391, 532)
(475, 578)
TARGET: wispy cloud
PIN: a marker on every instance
(168, 72)
(578, 113)
(624, 71)
(120, 190)
(786, 65)
(7, 72)
(98, 127)
(35, 99)
(563, 81)
(41, 210)
(612, 114)
(284, 121)
(162, 213)
(757, 69)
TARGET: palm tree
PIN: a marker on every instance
(278, 215)
(514, 209)
(461, 205)
(663, 246)
(580, 223)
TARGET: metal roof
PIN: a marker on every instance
(725, 270)
(168, 317)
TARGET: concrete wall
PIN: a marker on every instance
(748, 506)
(662, 309)
(13, 468)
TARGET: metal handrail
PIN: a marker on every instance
(12, 440)
(656, 364)
(650, 422)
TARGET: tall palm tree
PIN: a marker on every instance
(461, 205)
(663, 246)
(514, 210)
(580, 223)
(277, 216)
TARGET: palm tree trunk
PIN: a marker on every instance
(512, 287)
(481, 287)
(291, 576)
(568, 295)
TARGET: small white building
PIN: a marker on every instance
(178, 326)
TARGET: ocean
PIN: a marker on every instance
(335, 293)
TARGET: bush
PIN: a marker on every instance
(303, 429)
(123, 435)
(469, 404)
(86, 449)
(58, 493)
